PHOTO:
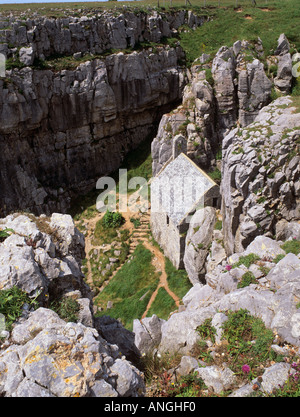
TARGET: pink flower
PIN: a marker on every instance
(228, 267)
(246, 369)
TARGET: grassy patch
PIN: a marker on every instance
(215, 175)
(67, 308)
(130, 289)
(246, 260)
(163, 305)
(292, 246)
(104, 234)
(249, 343)
(178, 280)
(268, 26)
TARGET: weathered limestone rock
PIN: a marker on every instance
(42, 256)
(258, 182)
(113, 331)
(198, 240)
(27, 55)
(43, 355)
(283, 81)
(219, 380)
(224, 74)
(254, 91)
(283, 45)
(199, 128)
(55, 358)
(147, 333)
(77, 125)
(93, 34)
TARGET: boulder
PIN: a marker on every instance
(219, 380)
(283, 80)
(198, 240)
(147, 333)
(27, 55)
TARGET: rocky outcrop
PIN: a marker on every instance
(43, 37)
(51, 358)
(73, 126)
(42, 256)
(260, 175)
(44, 355)
(194, 119)
(198, 242)
(283, 80)
(228, 89)
(272, 297)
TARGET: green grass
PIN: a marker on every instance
(228, 26)
(162, 305)
(178, 280)
(67, 308)
(11, 303)
(240, 330)
(292, 246)
(134, 280)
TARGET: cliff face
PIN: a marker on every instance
(41, 37)
(60, 130)
(72, 126)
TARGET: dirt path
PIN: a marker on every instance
(159, 263)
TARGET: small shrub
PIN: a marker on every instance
(5, 233)
(218, 225)
(207, 331)
(12, 301)
(113, 220)
(247, 279)
(246, 260)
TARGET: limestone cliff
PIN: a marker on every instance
(60, 131)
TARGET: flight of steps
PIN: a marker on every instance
(140, 233)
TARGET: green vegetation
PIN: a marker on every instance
(278, 258)
(11, 302)
(178, 280)
(247, 279)
(130, 289)
(207, 331)
(5, 233)
(246, 260)
(112, 220)
(249, 343)
(135, 221)
(230, 24)
(162, 305)
(292, 246)
(103, 234)
(215, 175)
(218, 225)
(67, 308)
